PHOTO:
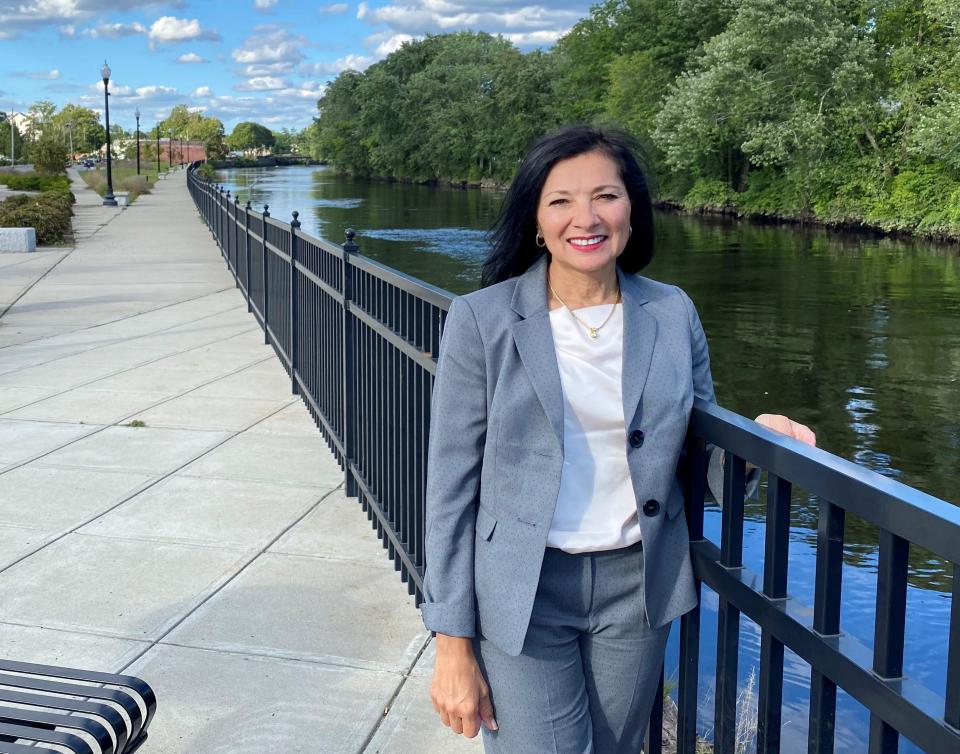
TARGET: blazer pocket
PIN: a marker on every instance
(486, 523)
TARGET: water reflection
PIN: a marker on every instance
(858, 337)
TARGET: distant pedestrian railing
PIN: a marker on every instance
(360, 341)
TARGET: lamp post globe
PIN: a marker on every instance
(136, 114)
(108, 200)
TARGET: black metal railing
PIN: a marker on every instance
(360, 342)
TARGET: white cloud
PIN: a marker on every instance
(68, 30)
(261, 84)
(347, 63)
(156, 92)
(335, 8)
(17, 16)
(191, 57)
(391, 43)
(528, 24)
(292, 108)
(171, 29)
(270, 45)
(266, 69)
(264, 4)
(535, 38)
(114, 31)
(45, 75)
(203, 91)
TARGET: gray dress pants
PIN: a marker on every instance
(586, 679)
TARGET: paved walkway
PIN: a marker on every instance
(168, 509)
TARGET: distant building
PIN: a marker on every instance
(23, 122)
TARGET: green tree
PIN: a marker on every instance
(178, 122)
(84, 124)
(772, 90)
(250, 136)
(338, 136)
(41, 116)
(5, 127)
(48, 154)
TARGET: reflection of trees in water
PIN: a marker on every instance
(856, 336)
(861, 541)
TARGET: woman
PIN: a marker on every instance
(556, 553)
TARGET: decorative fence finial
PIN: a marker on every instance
(349, 246)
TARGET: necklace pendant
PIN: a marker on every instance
(593, 333)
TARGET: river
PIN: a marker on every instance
(856, 336)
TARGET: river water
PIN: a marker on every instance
(856, 336)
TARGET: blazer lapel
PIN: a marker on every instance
(534, 338)
(639, 336)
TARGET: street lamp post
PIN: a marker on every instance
(136, 114)
(181, 152)
(108, 199)
(70, 133)
(170, 152)
(158, 151)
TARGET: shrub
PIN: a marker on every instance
(34, 181)
(709, 193)
(96, 181)
(48, 214)
(207, 173)
(135, 185)
(49, 155)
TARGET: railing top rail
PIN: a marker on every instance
(430, 293)
(907, 512)
(328, 246)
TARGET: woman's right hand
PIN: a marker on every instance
(459, 692)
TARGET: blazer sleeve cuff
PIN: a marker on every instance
(452, 620)
(715, 478)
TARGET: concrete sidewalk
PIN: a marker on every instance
(210, 550)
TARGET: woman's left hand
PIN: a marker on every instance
(786, 426)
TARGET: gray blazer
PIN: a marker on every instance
(496, 451)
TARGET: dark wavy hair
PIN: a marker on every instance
(514, 232)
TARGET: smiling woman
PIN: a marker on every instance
(557, 555)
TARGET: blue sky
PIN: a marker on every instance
(262, 60)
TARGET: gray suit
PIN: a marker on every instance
(496, 451)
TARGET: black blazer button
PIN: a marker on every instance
(636, 438)
(651, 508)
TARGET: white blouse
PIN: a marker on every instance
(596, 509)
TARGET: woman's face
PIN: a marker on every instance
(584, 214)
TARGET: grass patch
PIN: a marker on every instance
(125, 178)
(136, 423)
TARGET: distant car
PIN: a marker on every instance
(87, 163)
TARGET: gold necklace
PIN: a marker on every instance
(594, 331)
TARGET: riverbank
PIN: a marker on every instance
(852, 225)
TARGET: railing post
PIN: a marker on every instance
(266, 287)
(226, 236)
(294, 325)
(349, 409)
(246, 249)
(235, 228)
(220, 224)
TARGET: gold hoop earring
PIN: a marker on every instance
(538, 240)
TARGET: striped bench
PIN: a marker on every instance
(77, 711)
